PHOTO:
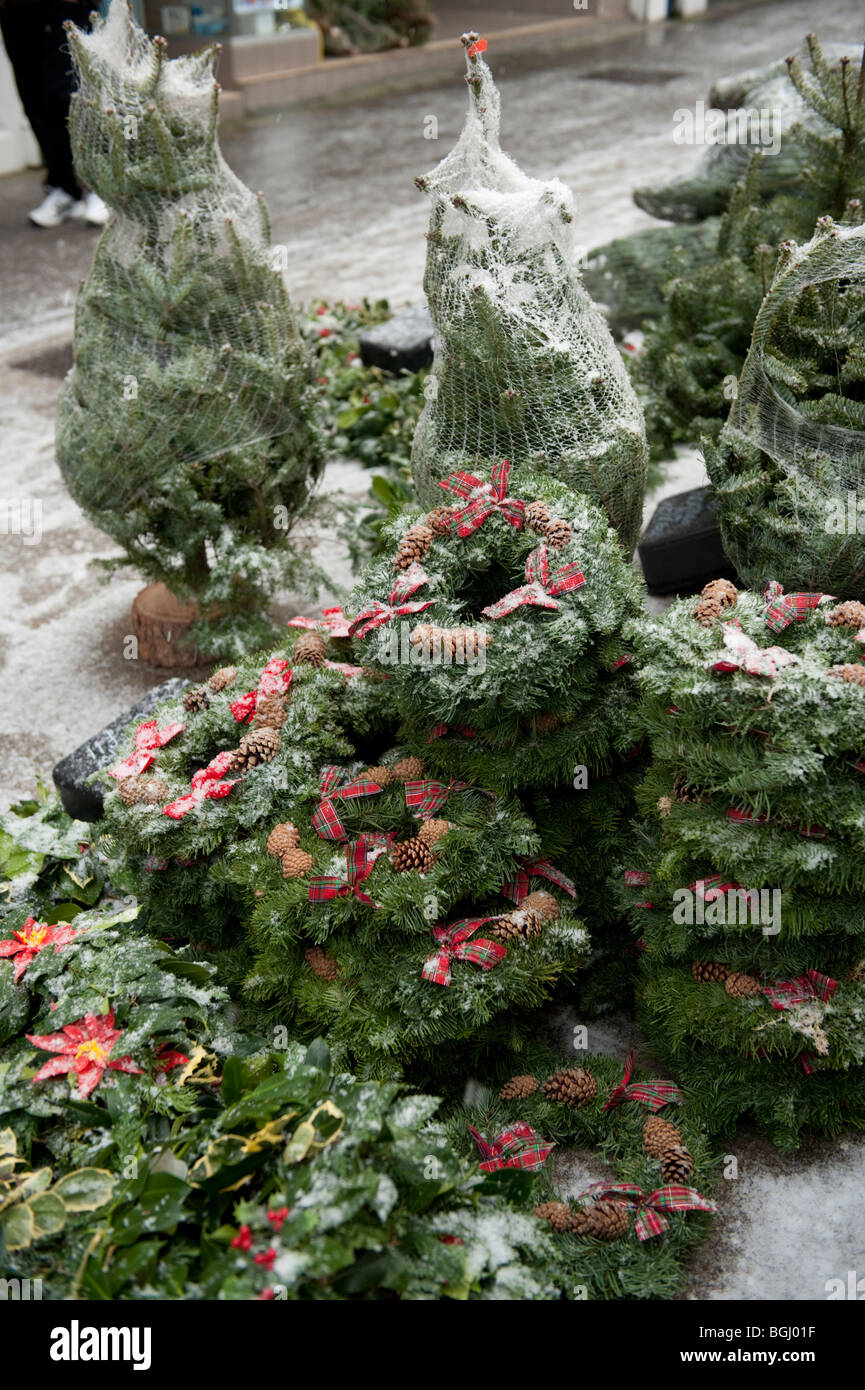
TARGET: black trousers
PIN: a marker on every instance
(35, 43)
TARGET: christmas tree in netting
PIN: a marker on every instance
(747, 885)
(525, 367)
(186, 428)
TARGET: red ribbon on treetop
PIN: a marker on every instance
(651, 1206)
(274, 680)
(425, 798)
(455, 944)
(783, 994)
(653, 1094)
(207, 785)
(541, 587)
(479, 46)
(746, 655)
(396, 607)
(333, 622)
(483, 500)
(784, 608)
(325, 817)
(148, 739)
(359, 863)
(518, 887)
(517, 1147)
(439, 731)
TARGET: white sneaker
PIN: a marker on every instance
(56, 207)
(93, 211)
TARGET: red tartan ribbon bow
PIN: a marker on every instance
(439, 731)
(207, 785)
(455, 944)
(783, 994)
(650, 1206)
(325, 817)
(713, 887)
(333, 622)
(783, 609)
(541, 587)
(517, 1147)
(425, 798)
(396, 607)
(359, 860)
(479, 46)
(274, 680)
(746, 655)
(483, 500)
(517, 888)
(346, 668)
(742, 817)
(637, 878)
(653, 1094)
(147, 740)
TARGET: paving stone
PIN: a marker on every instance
(401, 344)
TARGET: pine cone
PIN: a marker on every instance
(683, 790)
(269, 712)
(850, 614)
(155, 791)
(518, 1088)
(321, 964)
(258, 747)
(717, 595)
(676, 1164)
(310, 648)
(519, 925)
(556, 1214)
(454, 644)
(558, 533)
(411, 854)
(408, 770)
(381, 775)
(543, 905)
(538, 517)
(854, 674)
(296, 863)
(659, 1136)
(571, 1086)
(707, 972)
(431, 831)
(438, 521)
(545, 723)
(665, 806)
(739, 986)
(195, 699)
(130, 790)
(223, 678)
(601, 1220)
(413, 546)
(283, 837)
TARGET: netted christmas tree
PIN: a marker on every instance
(186, 429)
(525, 367)
(747, 881)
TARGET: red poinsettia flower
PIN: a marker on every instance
(84, 1047)
(167, 1058)
(31, 939)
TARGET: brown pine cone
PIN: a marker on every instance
(296, 863)
(850, 614)
(413, 546)
(538, 517)
(601, 1220)
(715, 597)
(683, 790)
(854, 674)
(571, 1086)
(558, 533)
(195, 699)
(283, 837)
(381, 775)
(321, 964)
(708, 972)
(543, 905)
(467, 643)
(130, 790)
(408, 770)
(310, 648)
(520, 925)
(739, 986)
(411, 854)
(258, 747)
(518, 1088)
(665, 806)
(223, 678)
(556, 1214)
(857, 973)
(438, 521)
(676, 1164)
(545, 723)
(659, 1136)
(155, 791)
(269, 712)
(432, 830)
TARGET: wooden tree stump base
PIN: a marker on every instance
(161, 623)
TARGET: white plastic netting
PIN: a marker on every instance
(525, 367)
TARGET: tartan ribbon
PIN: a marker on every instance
(274, 680)
(746, 655)
(783, 994)
(811, 832)
(860, 766)
(207, 785)
(425, 798)
(148, 739)
(454, 943)
(518, 886)
(653, 1094)
(397, 606)
(636, 878)
(713, 887)
(360, 856)
(440, 730)
(517, 1147)
(483, 500)
(651, 1206)
(333, 622)
(541, 588)
(783, 609)
(346, 668)
(325, 818)
(479, 46)
(621, 661)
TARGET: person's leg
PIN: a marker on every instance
(36, 46)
